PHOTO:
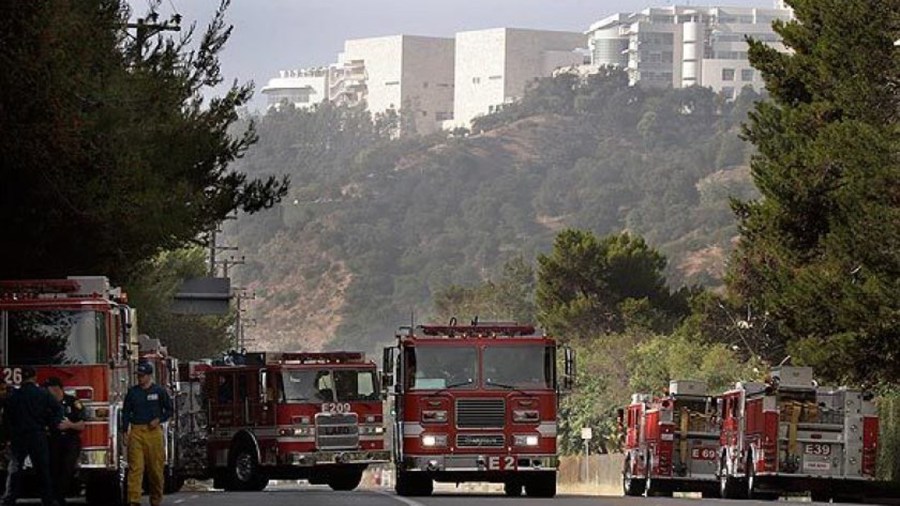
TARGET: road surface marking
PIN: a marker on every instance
(404, 500)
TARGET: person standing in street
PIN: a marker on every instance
(65, 444)
(147, 406)
(32, 411)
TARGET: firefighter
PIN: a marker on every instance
(65, 445)
(147, 406)
(32, 411)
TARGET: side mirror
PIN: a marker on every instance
(387, 369)
(620, 418)
(263, 386)
(568, 378)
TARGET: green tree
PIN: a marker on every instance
(818, 251)
(585, 284)
(110, 151)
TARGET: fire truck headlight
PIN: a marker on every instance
(526, 440)
(526, 415)
(434, 440)
(434, 416)
(94, 413)
(94, 458)
(368, 430)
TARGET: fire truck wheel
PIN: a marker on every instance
(512, 488)
(104, 492)
(411, 484)
(753, 491)
(729, 487)
(653, 487)
(630, 486)
(172, 483)
(347, 480)
(820, 496)
(244, 472)
(541, 485)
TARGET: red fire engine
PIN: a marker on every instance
(313, 416)
(790, 435)
(671, 442)
(476, 403)
(77, 329)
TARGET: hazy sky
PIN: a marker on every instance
(272, 35)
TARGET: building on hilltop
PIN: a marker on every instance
(681, 46)
(303, 88)
(405, 73)
(494, 66)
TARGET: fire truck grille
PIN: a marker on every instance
(480, 440)
(337, 431)
(480, 413)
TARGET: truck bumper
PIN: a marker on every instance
(349, 457)
(479, 463)
(836, 485)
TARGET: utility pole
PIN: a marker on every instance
(147, 27)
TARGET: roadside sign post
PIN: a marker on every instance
(586, 435)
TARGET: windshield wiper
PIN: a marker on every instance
(468, 381)
(492, 383)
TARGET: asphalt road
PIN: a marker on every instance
(316, 496)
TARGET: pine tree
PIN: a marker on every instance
(820, 251)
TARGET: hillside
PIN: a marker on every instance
(374, 226)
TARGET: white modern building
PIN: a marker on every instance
(303, 88)
(682, 46)
(406, 73)
(494, 66)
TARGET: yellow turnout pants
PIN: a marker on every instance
(145, 452)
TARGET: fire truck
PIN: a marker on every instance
(80, 330)
(671, 442)
(789, 435)
(262, 416)
(476, 403)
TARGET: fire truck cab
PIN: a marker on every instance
(789, 435)
(671, 442)
(80, 330)
(475, 403)
(313, 416)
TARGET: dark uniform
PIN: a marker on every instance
(32, 410)
(146, 452)
(65, 449)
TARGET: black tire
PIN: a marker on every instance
(244, 474)
(345, 480)
(753, 491)
(172, 482)
(820, 496)
(652, 487)
(413, 484)
(512, 488)
(104, 491)
(541, 485)
(729, 486)
(631, 486)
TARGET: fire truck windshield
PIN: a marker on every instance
(439, 367)
(326, 385)
(518, 366)
(53, 337)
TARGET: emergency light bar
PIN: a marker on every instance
(339, 357)
(487, 329)
(39, 286)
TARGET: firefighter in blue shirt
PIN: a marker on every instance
(147, 405)
(65, 445)
(32, 411)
